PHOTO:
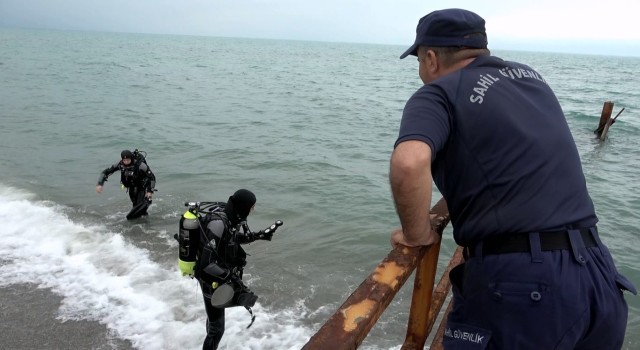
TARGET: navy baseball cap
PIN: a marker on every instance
(449, 28)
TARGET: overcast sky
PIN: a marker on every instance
(605, 27)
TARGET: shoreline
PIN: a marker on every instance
(29, 321)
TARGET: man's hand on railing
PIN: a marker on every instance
(426, 238)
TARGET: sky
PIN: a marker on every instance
(590, 26)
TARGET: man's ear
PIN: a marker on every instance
(432, 62)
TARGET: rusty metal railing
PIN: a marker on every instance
(351, 323)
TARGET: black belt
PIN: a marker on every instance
(519, 242)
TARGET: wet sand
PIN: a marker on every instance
(28, 321)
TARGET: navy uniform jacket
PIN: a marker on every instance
(504, 158)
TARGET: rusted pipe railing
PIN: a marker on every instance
(439, 297)
(421, 315)
(436, 344)
(351, 323)
(418, 326)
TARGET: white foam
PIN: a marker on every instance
(102, 277)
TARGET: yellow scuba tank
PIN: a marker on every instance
(188, 241)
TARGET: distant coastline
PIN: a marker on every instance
(615, 48)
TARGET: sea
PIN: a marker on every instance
(309, 127)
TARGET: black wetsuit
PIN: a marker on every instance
(217, 246)
(137, 177)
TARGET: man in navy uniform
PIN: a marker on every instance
(492, 136)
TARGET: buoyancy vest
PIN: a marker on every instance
(129, 174)
(222, 248)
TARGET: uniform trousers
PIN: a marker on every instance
(557, 299)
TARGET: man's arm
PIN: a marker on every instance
(150, 182)
(104, 175)
(411, 186)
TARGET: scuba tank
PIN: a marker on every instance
(188, 241)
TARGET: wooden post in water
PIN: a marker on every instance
(605, 117)
(606, 121)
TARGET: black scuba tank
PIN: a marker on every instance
(188, 237)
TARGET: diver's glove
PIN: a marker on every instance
(267, 233)
(254, 236)
(263, 234)
(186, 267)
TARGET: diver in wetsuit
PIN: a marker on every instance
(137, 177)
(210, 239)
